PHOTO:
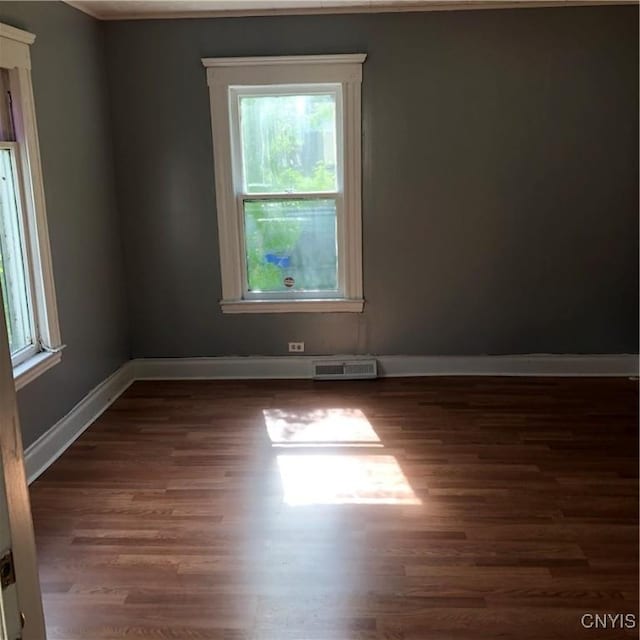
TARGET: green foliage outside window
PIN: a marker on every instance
(288, 146)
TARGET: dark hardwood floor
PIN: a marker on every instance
(422, 509)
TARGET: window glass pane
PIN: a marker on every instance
(291, 245)
(13, 278)
(288, 143)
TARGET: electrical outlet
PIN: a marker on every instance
(297, 347)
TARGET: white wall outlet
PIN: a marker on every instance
(296, 347)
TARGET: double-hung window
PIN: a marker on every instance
(286, 139)
(26, 278)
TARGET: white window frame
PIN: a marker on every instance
(47, 350)
(229, 78)
(30, 350)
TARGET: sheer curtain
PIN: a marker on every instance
(6, 120)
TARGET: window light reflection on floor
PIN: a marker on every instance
(310, 476)
(344, 479)
(326, 426)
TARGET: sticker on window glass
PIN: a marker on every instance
(289, 282)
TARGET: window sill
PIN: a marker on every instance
(29, 370)
(292, 306)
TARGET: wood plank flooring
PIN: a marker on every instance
(399, 509)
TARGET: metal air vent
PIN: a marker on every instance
(344, 369)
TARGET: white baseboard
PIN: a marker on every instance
(42, 453)
(53, 443)
(538, 364)
(224, 368)
(291, 367)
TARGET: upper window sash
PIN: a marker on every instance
(236, 93)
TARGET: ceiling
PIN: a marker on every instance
(147, 9)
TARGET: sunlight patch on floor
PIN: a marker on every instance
(318, 464)
(344, 479)
(323, 426)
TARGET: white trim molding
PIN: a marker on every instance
(534, 365)
(231, 79)
(54, 442)
(12, 33)
(148, 10)
(293, 306)
(14, 47)
(300, 367)
(258, 61)
(35, 366)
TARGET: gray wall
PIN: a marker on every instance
(500, 186)
(500, 182)
(69, 83)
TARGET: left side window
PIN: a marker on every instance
(14, 263)
(26, 276)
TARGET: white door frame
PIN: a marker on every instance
(17, 493)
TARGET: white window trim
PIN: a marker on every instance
(15, 56)
(35, 366)
(223, 73)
